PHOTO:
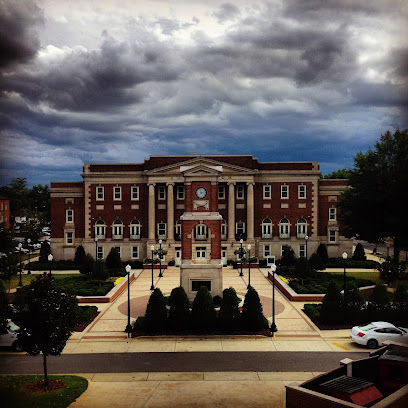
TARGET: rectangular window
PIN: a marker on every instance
(332, 236)
(99, 193)
(267, 192)
(99, 252)
(332, 214)
(221, 192)
(70, 216)
(284, 192)
(135, 252)
(240, 229)
(223, 231)
(117, 193)
(135, 193)
(196, 285)
(69, 238)
(266, 251)
(161, 230)
(180, 192)
(162, 193)
(240, 192)
(200, 253)
(302, 191)
(302, 251)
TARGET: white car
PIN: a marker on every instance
(8, 337)
(374, 334)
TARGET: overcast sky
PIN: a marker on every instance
(116, 81)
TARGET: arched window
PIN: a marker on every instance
(135, 229)
(266, 228)
(301, 228)
(284, 228)
(177, 231)
(100, 229)
(201, 232)
(223, 229)
(117, 229)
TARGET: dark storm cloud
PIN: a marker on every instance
(18, 40)
(226, 12)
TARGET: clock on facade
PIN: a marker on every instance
(201, 192)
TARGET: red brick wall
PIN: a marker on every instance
(5, 211)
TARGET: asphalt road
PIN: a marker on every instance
(175, 362)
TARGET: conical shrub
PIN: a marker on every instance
(156, 312)
(252, 315)
(203, 314)
(179, 314)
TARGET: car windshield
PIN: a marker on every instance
(367, 327)
(13, 326)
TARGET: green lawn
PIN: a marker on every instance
(26, 279)
(374, 276)
(15, 393)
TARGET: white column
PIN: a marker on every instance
(170, 212)
(250, 211)
(231, 211)
(152, 210)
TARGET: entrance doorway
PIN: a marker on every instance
(177, 256)
(224, 256)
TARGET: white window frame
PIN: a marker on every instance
(160, 228)
(134, 252)
(69, 238)
(301, 228)
(266, 250)
(99, 252)
(134, 193)
(221, 192)
(332, 241)
(243, 228)
(117, 230)
(332, 214)
(266, 226)
(302, 191)
(267, 192)
(201, 253)
(224, 230)
(284, 228)
(201, 232)
(134, 229)
(69, 216)
(177, 229)
(302, 250)
(284, 192)
(100, 193)
(161, 193)
(117, 193)
(99, 228)
(240, 193)
(180, 192)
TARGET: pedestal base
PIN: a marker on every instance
(192, 276)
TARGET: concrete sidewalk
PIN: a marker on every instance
(192, 389)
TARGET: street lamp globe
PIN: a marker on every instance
(20, 245)
(128, 268)
(152, 247)
(28, 241)
(160, 241)
(306, 237)
(344, 255)
(50, 258)
(273, 268)
(241, 240)
(249, 247)
(96, 239)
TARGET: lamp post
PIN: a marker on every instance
(306, 238)
(249, 266)
(20, 245)
(344, 256)
(128, 329)
(241, 253)
(96, 248)
(160, 255)
(152, 248)
(50, 258)
(273, 328)
(29, 256)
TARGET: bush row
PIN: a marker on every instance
(83, 286)
(86, 313)
(55, 266)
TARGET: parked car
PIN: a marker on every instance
(9, 337)
(374, 334)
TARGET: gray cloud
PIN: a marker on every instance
(226, 12)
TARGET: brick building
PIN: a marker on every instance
(5, 211)
(200, 206)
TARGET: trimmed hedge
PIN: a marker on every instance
(81, 285)
(86, 313)
(55, 266)
(351, 263)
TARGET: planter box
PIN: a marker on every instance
(149, 266)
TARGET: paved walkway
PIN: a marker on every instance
(197, 389)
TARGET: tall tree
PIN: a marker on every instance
(374, 207)
(18, 193)
(47, 318)
(338, 174)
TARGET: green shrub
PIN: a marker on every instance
(172, 262)
(83, 286)
(263, 263)
(316, 262)
(354, 300)
(139, 324)
(87, 266)
(332, 304)
(79, 255)
(252, 315)
(156, 312)
(229, 316)
(379, 301)
(203, 313)
(86, 313)
(359, 253)
(313, 311)
(351, 263)
(217, 300)
(100, 272)
(302, 269)
(322, 252)
(288, 257)
(45, 250)
(113, 261)
(179, 314)
(55, 266)
(400, 302)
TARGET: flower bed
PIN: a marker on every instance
(81, 285)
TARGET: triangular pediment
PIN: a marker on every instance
(203, 165)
